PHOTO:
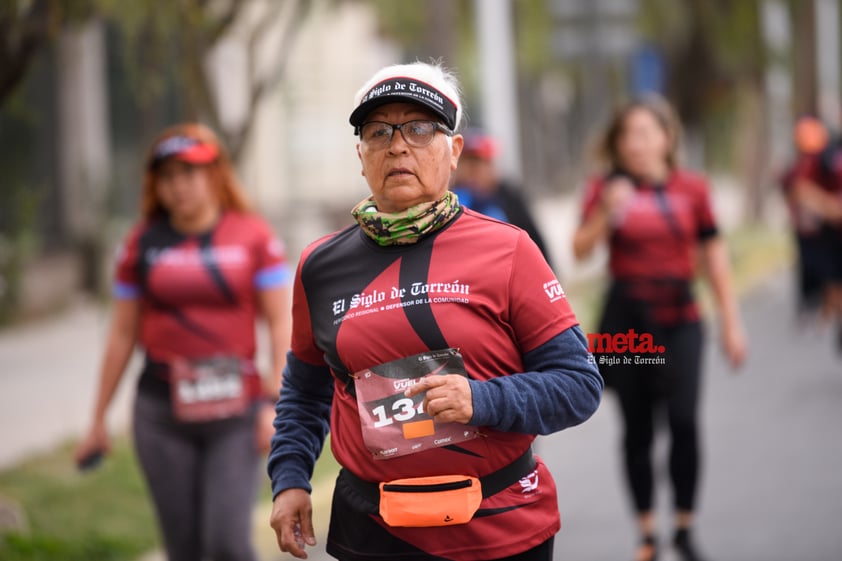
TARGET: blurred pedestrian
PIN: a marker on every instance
(832, 230)
(807, 187)
(801, 184)
(191, 279)
(655, 218)
(480, 186)
(812, 187)
(434, 343)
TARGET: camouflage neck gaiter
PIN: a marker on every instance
(408, 226)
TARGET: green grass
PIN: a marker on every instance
(101, 515)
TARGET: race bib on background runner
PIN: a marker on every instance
(207, 389)
(395, 425)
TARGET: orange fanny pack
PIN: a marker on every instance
(441, 500)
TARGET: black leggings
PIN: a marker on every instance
(203, 479)
(644, 391)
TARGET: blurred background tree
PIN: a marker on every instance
(162, 45)
(72, 125)
(72, 130)
(712, 52)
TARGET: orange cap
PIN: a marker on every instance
(810, 135)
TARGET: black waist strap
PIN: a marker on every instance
(492, 483)
(154, 378)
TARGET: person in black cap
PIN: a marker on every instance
(479, 186)
(191, 279)
(434, 343)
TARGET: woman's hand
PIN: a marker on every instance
(734, 343)
(448, 398)
(95, 442)
(616, 199)
(292, 520)
(718, 268)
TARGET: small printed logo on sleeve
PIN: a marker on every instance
(553, 290)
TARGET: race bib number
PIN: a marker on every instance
(207, 389)
(395, 425)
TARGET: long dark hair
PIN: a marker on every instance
(607, 151)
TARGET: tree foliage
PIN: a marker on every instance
(25, 28)
(712, 47)
(162, 41)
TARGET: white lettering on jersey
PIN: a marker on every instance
(553, 290)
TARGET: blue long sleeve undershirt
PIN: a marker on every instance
(560, 387)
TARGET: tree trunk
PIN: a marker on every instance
(84, 145)
(804, 59)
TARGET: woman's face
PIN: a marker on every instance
(400, 175)
(643, 145)
(185, 190)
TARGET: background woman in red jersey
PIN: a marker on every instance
(192, 278)
(657, 221)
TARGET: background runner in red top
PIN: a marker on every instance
(192, 278)
(657, 221)
(187, 311)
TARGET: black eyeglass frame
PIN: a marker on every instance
(438, 127)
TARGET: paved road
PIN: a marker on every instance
(48, 373)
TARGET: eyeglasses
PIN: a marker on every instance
(420, 133)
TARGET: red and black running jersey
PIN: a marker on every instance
(479, 285)
(806, 167)
(199, 293)
(659, 232)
